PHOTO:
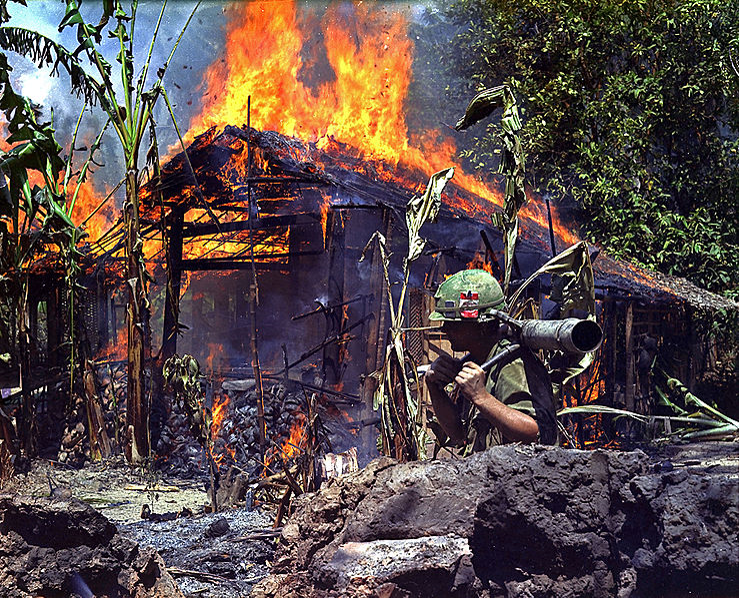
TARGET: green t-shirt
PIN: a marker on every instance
(522, 384)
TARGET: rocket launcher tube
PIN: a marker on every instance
(571, 335)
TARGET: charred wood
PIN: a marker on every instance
(266, 222)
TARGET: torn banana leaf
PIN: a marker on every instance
(575, 285)
(512, 162)
(424, 209)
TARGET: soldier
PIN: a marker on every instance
(514, 402)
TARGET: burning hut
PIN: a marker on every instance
(246, 205)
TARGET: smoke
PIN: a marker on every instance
(202, 41)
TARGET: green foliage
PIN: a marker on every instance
(182, 376)
(631, 112)
(129, 109)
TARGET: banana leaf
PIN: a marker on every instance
(690, 399)
(424, 209)
(512, 162)
(575, 286)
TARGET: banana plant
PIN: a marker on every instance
(30, 216)
(41, 215)
(130, 111)
(512, 163)
(402, 434)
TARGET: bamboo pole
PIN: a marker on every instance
(629, 348)
(254, 293)
(174, 283)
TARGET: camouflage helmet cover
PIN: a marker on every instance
(468, 295)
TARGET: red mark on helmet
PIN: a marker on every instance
(468, 303)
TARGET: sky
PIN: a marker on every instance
(201, 45)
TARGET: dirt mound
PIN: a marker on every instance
(60, 548)
(515, 522)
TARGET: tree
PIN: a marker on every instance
(630, 118)
(39, 191)
(130, 113)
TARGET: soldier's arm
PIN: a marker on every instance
(515, 425)
(441, 373)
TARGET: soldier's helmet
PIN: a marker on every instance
(468, 295)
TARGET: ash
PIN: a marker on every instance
(217, 544)
(206, 557)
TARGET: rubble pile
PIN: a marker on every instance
(218, 555)
(236, 437)
(515, 522)
(62, 422)
(74, 447)
(63, 547)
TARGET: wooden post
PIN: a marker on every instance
(99, 443)
(629, 349)
(254, 292)
(174, 283)
(376, 335)
(693, 351)
(611, 341)
(335, 320)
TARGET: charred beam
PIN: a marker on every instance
(339, 337)
(232, 264)
(498, 271)
(172, 302)
(196, 230)
(323, 308)
(335, 319)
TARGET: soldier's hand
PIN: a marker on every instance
(471, 382)
(442, 371)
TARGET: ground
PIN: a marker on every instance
(208, 558)
(225, 554)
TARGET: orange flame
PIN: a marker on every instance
(87, 201)
(263, 57)
(220, 408)
(4, 145)
(295, 442)
(293, 445)
(479, 263)
(214, 350)
(118, 348)
(218, 414)
(370, 55)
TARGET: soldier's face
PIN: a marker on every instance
(472, 336)
(461, 334)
